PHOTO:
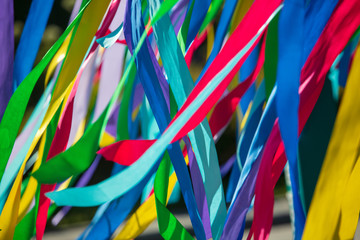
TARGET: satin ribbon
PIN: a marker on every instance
(290, 45)
(196, 18)
(169, 226)
(129, 179)
(30, 39)
(98, 126)
(11, 121)
(150, 77)
(181, 85)
(7, 53)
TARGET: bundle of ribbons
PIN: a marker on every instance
(118, 88)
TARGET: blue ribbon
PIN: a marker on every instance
(221, 31)
(31, 38)
(246, 185)
(149, 77)
(297, 20)
(197, 17)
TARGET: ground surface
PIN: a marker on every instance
(281, 229)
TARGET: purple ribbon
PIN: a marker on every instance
(7, 53)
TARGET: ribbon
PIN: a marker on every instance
(11, 121)
(344, 142)
(30, 39)
(291, 43)
(7, 54)
(126, 177)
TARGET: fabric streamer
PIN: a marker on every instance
(11, 121)
(291, 41)
(181, 85)
(167, 137)
(30, 39)
(7, 56)
(344, 141)
(155, 91)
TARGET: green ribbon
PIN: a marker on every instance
(313, 143)
(14, 113)
(271, 55)
(85, 149)
(169, 226)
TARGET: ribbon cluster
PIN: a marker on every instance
(118, 87)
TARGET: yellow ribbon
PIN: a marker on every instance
(80, 43)
(337, 190)
(210, 40)
(9, 215)
(241, 9)
(31, 187)
(32, 184)
(59, 56)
